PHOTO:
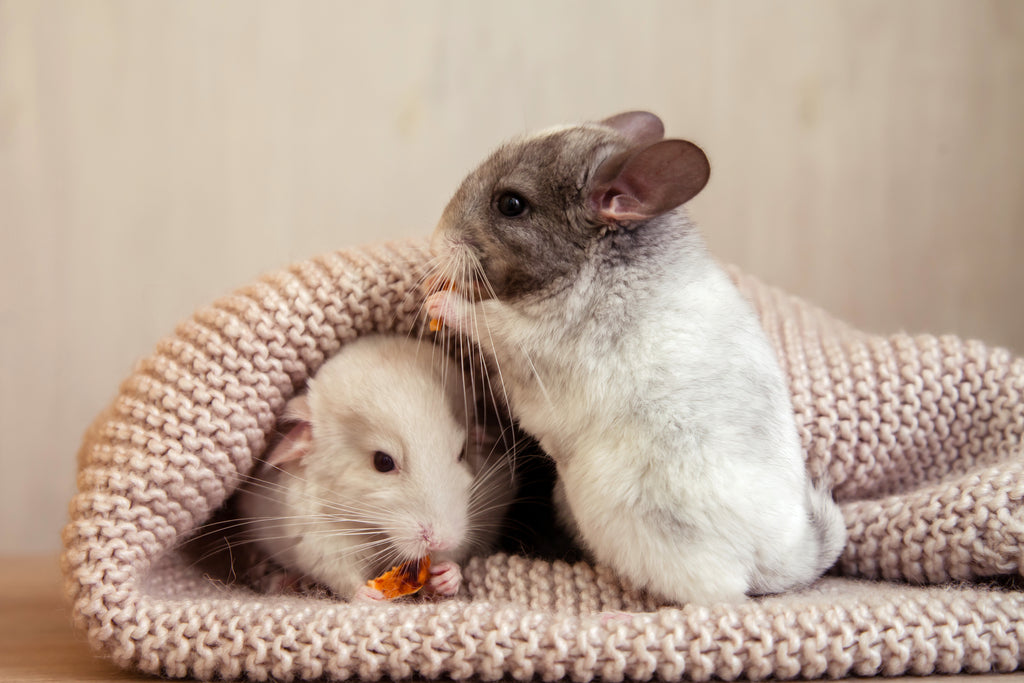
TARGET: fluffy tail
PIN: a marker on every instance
(829, 525)
(822, 539)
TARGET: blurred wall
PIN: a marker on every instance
(154, 155)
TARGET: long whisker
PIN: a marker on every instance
(264, 488)
(481, 277)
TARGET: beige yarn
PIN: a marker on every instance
(921, 437)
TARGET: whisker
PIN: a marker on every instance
(264, 488)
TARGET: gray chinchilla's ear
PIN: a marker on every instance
(638, 186)
(641, 128)
(298, 440)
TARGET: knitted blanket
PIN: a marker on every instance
(920, 436)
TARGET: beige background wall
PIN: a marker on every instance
(868, 155)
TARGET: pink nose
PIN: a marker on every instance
(434, 543)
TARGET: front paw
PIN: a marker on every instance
(445, 579)
(447, 308)
(368, 594)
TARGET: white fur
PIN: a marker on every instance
(659, 397)
(315, 513)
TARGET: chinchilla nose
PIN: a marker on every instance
(435, 542)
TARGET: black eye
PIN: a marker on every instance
(383, 462)
(511, 204)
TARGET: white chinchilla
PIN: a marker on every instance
(381, 465)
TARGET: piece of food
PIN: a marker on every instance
(402, 579)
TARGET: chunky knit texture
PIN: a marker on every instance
(921, 438)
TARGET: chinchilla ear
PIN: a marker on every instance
(298, 440)
(641, 128)
(636, 186)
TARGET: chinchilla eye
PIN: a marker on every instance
(383, 462)
(511, 204)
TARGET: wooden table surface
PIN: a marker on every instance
(38, 643)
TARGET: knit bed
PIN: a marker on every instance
(920, 436)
